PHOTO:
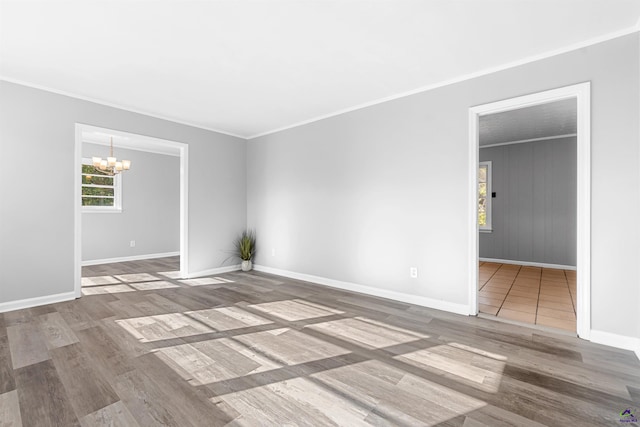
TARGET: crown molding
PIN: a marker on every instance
(486, 71)
(465, 77)
(114, 105)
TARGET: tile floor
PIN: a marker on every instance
(541, 296)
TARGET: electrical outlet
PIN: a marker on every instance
(132, 244)
(413, 272)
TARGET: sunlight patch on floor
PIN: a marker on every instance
(159, 284)
(136, 277)
(472, 366)
(99, 281)
(367, 332)
(171, 274)
(223, 359)
(227, 318)
(297, 309)
(175, 325)
(362, 394)
(107, 289)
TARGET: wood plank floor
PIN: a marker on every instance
(143, 348)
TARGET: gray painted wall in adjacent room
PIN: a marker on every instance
(534, 211)
(37, 131)
(363, 196)
(150, 209)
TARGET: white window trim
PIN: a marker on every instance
(487, 228)
(117, 193)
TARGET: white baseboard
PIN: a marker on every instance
(34, 302)
(212, 271)
(615, 340)
(528, 263)
(368, 290)
(128, 258)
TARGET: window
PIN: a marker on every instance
(484, 196)
(100, 193)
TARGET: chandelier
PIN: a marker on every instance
(110, 166)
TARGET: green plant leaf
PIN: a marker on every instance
(245, 245)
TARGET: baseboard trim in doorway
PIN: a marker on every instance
(369, 290)
(597, 337)
(128, 258)
(212, 271)
(528, 263)
(34, 302)
(614, 340)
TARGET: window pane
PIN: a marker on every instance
(97, 191)
(482, 211)
(97, 201)
(482, 174)
(482, 189)
(89, 169)
(97, 180)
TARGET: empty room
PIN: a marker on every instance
(315, 213)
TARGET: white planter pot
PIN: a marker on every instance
(247, 265)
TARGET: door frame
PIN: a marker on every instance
(582, 93)
(183, 150)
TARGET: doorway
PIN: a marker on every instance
(140, 143)
(580, 93)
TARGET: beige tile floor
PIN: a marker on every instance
(541, 296)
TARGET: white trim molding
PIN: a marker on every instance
(214, 271)
(473, 75)
(582, 93)
(115, 105)
(369, 290)
(184, 210)
(128, 258)
(180, 147)
(77, 212)
(34, 302)
(528, 263)
(524, 141)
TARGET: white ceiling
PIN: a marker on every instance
(251, 67)
(524, 124)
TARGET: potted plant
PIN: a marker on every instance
(245, 248)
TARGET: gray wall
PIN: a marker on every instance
(363, 196)
(534, 211)
(150, 208)
(358, 197)
(37, 132)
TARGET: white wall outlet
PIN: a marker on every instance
(132, 244)
(273, 251)
(413, 272)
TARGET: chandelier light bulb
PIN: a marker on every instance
(111, 165)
